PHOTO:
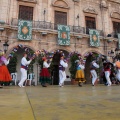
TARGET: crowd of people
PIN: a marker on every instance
(110, 73)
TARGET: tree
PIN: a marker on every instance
(72, 69)
(12, 64)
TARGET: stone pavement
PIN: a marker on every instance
(55, 103)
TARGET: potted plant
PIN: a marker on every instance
(73, 57)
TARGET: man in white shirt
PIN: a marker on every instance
(93, 72)
(62, 75)
(23, 69)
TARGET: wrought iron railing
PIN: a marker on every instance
(114, 34)
(100, 31)
(52, 26)
(14, 22)
(43, 25)
(78, 29)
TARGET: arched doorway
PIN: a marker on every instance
(55, 66)
(90, 56)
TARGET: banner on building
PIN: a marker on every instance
(24, 30)
(63, 35)
(118, 40)
(94, 38)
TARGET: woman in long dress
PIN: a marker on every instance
(45, 75)
(4, 73)
(80, 73)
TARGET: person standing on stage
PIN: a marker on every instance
(45, 75)
(80, 73)
(23, 69)
(62, 75)
(117, 65)
(4, 73)
(93, 72)
(107, 70)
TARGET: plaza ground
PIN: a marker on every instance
(60, 103)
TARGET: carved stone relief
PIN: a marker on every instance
(115, 15)
(60, 3)
(90, 10)
(104, 4)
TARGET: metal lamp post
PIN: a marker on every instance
(44, 12)
(5, 47)
(78, 19)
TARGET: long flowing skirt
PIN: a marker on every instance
(45, 76)
(4, 74)
(80, 76)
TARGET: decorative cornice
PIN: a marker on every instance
(76, 0)
(29, 1)
(115, 14)
(63, 4)
(115, 1)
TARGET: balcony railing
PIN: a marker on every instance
(100, 31)
(113, 34)
(52, 26)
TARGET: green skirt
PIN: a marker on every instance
(44, 80)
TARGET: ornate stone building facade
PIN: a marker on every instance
(80, 15)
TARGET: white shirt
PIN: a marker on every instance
(81, 66)
(6, 62)
(25, 62)
(95, 65)
(45, 64)
(64, 64)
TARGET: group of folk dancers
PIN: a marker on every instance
(45, 75)
(110, 72)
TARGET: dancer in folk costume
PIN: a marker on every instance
(80, 73)
(117, 65)
(107, 70)
(4, 73)
(93, 72)
(62, 75)
(45, 75)
(23, 69)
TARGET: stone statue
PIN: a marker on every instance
(103, 3)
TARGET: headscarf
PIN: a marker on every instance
(44, 58)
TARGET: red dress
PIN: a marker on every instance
(45, 75)
(4, 73)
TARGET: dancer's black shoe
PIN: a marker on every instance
(44, 85)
